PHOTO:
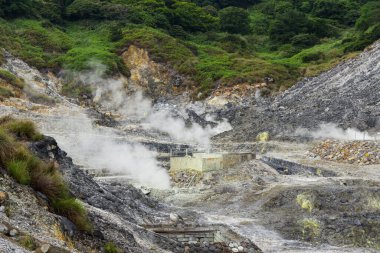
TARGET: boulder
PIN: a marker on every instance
(3, 197)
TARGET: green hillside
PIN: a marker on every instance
(214, 42)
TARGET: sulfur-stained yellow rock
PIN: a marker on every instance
(263, 137)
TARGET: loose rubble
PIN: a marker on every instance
(354, 152)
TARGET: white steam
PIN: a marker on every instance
(112, 95)
(102, 148)
(332, 131)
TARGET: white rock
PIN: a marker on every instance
(241, 249)
(45, 248)
(13, 232)
(235, 250)
(174, 217)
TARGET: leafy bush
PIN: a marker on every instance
(304, 40)
(313, 56)
(96, 9)
(369, 15)
(19, 171)
(192, 17)
(342, 10)
(234, 20)
(12, 79)
(15, 8)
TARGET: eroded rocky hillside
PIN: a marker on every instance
(347, 96)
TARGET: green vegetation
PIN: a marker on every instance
(6, 92)
(23, 129)
(28, 242)
(110, 247)
(19, 171)
(28, 169)
(215, 43)
(11, 79)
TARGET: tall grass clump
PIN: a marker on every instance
(19, 170)
(7, 146)
(110, 247)
(24, 129)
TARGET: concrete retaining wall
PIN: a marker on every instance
(209, 162)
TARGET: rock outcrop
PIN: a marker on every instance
(114, 215)
(157, 79)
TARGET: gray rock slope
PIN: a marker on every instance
(114, 215)
(348, 95)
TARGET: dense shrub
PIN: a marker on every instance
(369, 15)
(287, 25)
(192, 17)
(234, 20)
(314, 56)
(15, 8)
(304, 40)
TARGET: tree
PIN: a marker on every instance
(192, 17)
(369, 15)
(234, 20)
(341, 10)
(15, 8)
(236, 3)
(287, 25)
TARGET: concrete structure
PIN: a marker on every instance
(204, 162)
(188, 235)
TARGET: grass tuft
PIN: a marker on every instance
(74, 211)
(28, 242)
(24, 129)
(110, 247)
(5, 92)
(12, 79)
(7, 146)
(19, 171)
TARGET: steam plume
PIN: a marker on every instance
(111, 94)
(102, 148)
(331, 130)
